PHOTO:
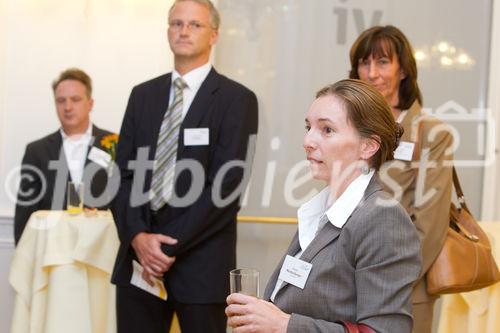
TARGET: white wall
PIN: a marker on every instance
(119, 43)
(491, 196)
(261, 246)
(286, 50)
(3, 79)
(6, 292)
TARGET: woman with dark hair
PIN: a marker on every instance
(420, 178)
(355, 256)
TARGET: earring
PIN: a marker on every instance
(365, 168)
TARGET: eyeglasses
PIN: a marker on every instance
(178, 25)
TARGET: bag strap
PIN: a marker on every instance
(365, 329)
(456, 181)
(458, 190)
(350, 327)
(355, 328)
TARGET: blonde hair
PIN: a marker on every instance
(214, 13)
(77, 75)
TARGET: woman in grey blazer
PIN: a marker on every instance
(422, 182)
(356, 254)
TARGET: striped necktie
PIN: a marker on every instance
(162, 184)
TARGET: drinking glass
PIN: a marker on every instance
(244, 281)
(75, 198)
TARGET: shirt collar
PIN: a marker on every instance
(341, 209)
(401, 116)
(194, 78)
(311, 214)
(86, 135)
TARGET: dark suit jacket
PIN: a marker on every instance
(37, 189)
(363, 272)
(206, 250)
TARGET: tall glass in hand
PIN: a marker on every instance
(244, 281)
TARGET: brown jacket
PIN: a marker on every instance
(427, 203)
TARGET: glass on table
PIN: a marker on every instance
(74, 204)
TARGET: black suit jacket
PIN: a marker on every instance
(37, 188)
(206, 250)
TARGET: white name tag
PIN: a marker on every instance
(196, 136)
(99, 156)
(404, 151)
(295, 271)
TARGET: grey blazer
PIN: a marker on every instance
(361, 273)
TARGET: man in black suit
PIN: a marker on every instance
(198, 126)
(72, 153)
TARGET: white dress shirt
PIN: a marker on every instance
(318, 211)
(193, 80)
(76, 149)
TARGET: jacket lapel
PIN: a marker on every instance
(325, 236)
(161, 96)
(56, 154)
(329, 232)
(292, 250)
(409, 122)
(94, 142)
(373, 186)
(56, 151)
(200, 105)
(55, 146)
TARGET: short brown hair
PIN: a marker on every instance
(214, 13)
(77, 75)
(386, 42)
(368, 111)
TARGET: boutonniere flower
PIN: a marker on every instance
(109, 142)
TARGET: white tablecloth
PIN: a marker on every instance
(61, 271)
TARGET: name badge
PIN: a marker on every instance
(295, 271)
(404, 151)
(99, 156)
(196, 136)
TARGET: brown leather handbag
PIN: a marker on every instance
(355, 328)
(465, 262)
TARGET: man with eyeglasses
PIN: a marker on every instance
(195, 124)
